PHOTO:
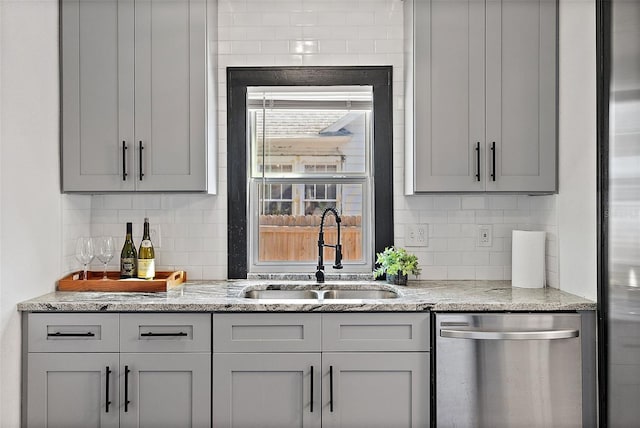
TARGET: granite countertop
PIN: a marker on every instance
(224, 296)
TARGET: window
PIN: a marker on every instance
(296, 147)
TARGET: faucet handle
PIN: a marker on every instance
(338, 263)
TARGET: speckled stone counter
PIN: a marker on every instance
(226, 296)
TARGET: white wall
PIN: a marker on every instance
(30, 219)
(577, 135)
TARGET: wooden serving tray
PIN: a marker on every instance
(163, 281)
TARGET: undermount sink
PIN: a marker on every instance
(326, 293)
(280, 294)
(360, 294)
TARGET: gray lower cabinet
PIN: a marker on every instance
(71, 390)
(133, 95)
(266, 390)
(331, 370)
(107, 370)
(481, 96)
(165, 390)
(375, 389)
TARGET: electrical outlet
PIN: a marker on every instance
(156, 237)
(416, 235)
(485, 235)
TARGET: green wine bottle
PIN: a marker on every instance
(128, 257)
(146, 255)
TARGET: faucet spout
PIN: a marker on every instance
(338, 247)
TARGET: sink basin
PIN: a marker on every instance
(327, 293)
(360, 294)
(281, 294)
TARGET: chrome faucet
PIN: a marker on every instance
(338, 248)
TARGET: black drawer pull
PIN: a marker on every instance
(493, 161)
(311, 406)
(58, 334)
(331, 388)
(124, 161)
(152, 334)
(108, 372)
(478, 161)
(126, 388)
(141, 149)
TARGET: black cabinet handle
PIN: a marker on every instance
(58, 334)
(311, 406)
(126, 388)
(124, 161)
(478, 161)
(108, 372)
(141, 149)
(152, 334)
(331, 388)
(493, 161)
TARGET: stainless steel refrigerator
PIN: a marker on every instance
(619, 137)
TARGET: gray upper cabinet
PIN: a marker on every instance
(481, 96)
(134, 95)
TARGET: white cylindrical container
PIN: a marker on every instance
(527, 259)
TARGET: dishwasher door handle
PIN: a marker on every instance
(509, 335)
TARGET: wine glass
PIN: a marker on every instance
(84, 252)
(106, 250)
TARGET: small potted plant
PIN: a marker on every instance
(396, 264)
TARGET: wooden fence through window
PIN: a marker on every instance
(295, 238)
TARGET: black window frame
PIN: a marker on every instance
(239, 78)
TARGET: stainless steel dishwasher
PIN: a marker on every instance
(508, 370)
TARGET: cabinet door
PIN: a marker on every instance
(165, 390)
(371, 389)
(170, 90)
(448, 95)
(97, 95)
(521, 95)
(69, 390)
(266, 390)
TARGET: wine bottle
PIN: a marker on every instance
(146, 255)
(128, 256)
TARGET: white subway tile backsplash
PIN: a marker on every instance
(361, 46)
(474, 203)
(332, 46)
(475, 259)
(133, 216)
(117, 202)
(448, 259)
(461, 216)
(434, 216)
(461, 272)
(434, 272)
(447, 202)
(276, 19)
(503, 202)
(489, 216)
(246, 19)
(489, 272)
(500, 259)
(318, 32)
(461, 244)
(304, 46)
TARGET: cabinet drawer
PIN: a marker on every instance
(165, 332)
(72, 332)
(266, 332)
(375, 332)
